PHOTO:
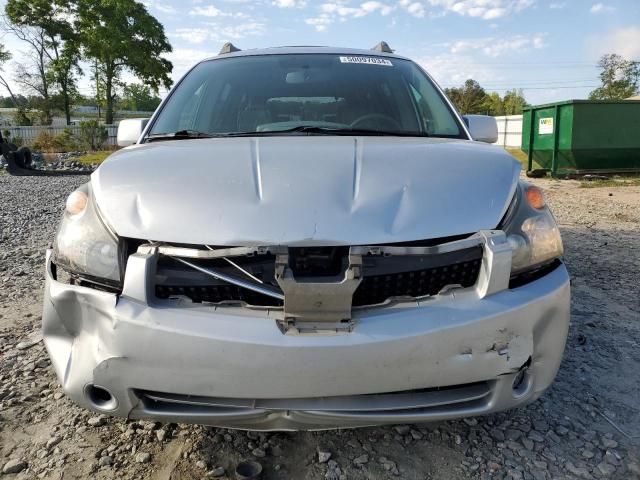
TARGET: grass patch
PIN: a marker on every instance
(611, 182)
(93, 157)
(521, 156)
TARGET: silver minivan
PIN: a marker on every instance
(306, 238)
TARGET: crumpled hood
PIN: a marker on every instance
(304, 190)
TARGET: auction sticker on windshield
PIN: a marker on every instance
(367, 61)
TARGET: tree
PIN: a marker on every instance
(63, 70)
(17, 101)
(4, 58)
(92, 134)
(139, 98)
(98, 87)
(620, 78)
(119, 35)
(493, 104)
(32, 75)
(513, 102)
(469, 98)
(45, 26)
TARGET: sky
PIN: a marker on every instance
(548, 48)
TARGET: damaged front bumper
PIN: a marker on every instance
(462, 352)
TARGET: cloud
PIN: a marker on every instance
(321, 22)
(623, 41)
(557, 6)
(362, 10)
(373, 6)
(184, 58)
(192, 35)
(219, 32)
(240, 31)
(601, 8)
(485, 9)
(496, 47)
(333, 11)
(289, 3)
(415, 9)
(453, 69)
(208, 11)
(211, 11)
(161, 7)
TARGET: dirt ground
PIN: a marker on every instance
(586, 426)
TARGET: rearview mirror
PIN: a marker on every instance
(129, 130)
(482, 128)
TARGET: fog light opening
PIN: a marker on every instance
(521, 383)
(100, 398)
(248, 470)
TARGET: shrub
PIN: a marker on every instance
(21, 118)
(17, 140)
(47, 142)
(92, 135)
(66, 141)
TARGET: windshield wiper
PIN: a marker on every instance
(329, 131)
(180, 135)
(309, 129)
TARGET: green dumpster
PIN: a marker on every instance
(583, 136)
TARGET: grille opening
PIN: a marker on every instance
(318, 261)
(175, 279)
(384, 276)
(397, 401)
(100, 398)
(418, 283)
(218, 294)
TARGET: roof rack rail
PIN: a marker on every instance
(228, 48)
(383, 47)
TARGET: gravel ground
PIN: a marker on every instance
(587, 425)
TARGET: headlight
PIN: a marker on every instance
(531, 230)
(84, 245)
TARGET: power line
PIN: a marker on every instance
(515, 84)
(509, 64)
(540, 82)
(551, 87)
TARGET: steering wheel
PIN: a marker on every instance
(375, 119)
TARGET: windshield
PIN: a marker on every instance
(307, 93)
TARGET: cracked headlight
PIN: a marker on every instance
(531, 230)
(84, 245)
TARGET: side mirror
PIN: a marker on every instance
(482, 128)
(129, 130)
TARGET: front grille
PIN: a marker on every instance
(419, 283)
(452, 397)
(384, 277)
(217, 294)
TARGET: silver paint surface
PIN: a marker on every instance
(124, 343)
(304, 190)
